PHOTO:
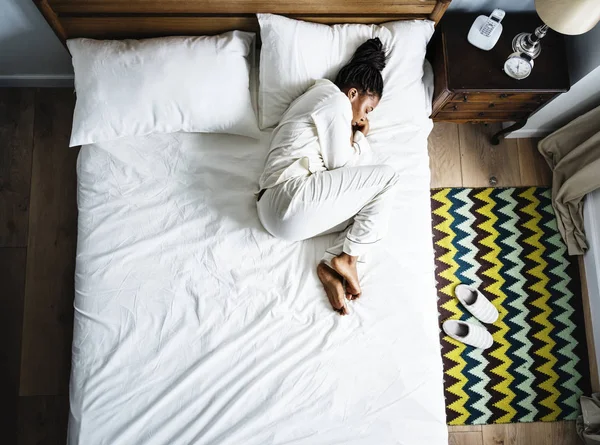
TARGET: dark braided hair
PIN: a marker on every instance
(363, 72)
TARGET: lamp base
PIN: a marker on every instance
(529, 43)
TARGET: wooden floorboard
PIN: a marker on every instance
(484, 164)
(533, 167)
(49, 288)
(444, 156)
(537, 433)
(43, 420)
(16, 142)
(16, 146)
(465, 438)
(464, 428)
(12, 279)
(564, 433)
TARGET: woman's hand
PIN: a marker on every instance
(363, 126)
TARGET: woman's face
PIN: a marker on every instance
(362, 105)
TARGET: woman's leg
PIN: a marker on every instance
(372, 188)
(327, 199)
(303, 208)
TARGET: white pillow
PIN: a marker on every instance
(164, 85)
(295, 53)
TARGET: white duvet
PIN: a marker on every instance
(194, 326)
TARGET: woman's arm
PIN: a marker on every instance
(363, 153)
(339, 147)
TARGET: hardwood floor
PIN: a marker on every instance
(48, 312)
(16, 147)
(38, 230)
(461, 156)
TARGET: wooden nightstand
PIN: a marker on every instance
(470, 84)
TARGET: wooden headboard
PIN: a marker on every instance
(118, 19)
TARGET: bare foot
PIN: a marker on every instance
(345, 265)
(332, 282)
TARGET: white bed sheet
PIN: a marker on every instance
(195, 326)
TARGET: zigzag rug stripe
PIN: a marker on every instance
(569, 376)
(485, 281)
(453, 363)
(479, 397)
(558, 302)
(519, 333)
(541, 302)
(471, 362)
(532, 311)
(510, 273)
(494, 291)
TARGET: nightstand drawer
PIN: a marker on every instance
(489, 116)
(492, 106)
(538, 98)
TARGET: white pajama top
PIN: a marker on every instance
(314, 135)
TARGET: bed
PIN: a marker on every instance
(194, 326)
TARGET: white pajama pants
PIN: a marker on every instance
(354, 200)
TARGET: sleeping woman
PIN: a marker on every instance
(319, 177)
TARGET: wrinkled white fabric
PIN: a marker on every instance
(359, 198)
(193, 325)
(295, 53)
(162, 85)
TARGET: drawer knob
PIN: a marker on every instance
(492, 105)
(481, 113)
(465, 98)
(455, 108)
(503, 96)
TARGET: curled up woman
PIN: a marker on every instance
(319, 175)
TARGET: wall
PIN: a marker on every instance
(581, 98)
(583, 52)
(30, 53)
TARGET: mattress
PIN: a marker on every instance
(193, 325)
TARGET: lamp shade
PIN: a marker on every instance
(569, 16)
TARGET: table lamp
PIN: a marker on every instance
(564, 16)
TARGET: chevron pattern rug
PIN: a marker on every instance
(506, 242)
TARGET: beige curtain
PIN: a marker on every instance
(588, 423)
(573, 153)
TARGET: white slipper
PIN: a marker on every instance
(476, 303)
(468, 333)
